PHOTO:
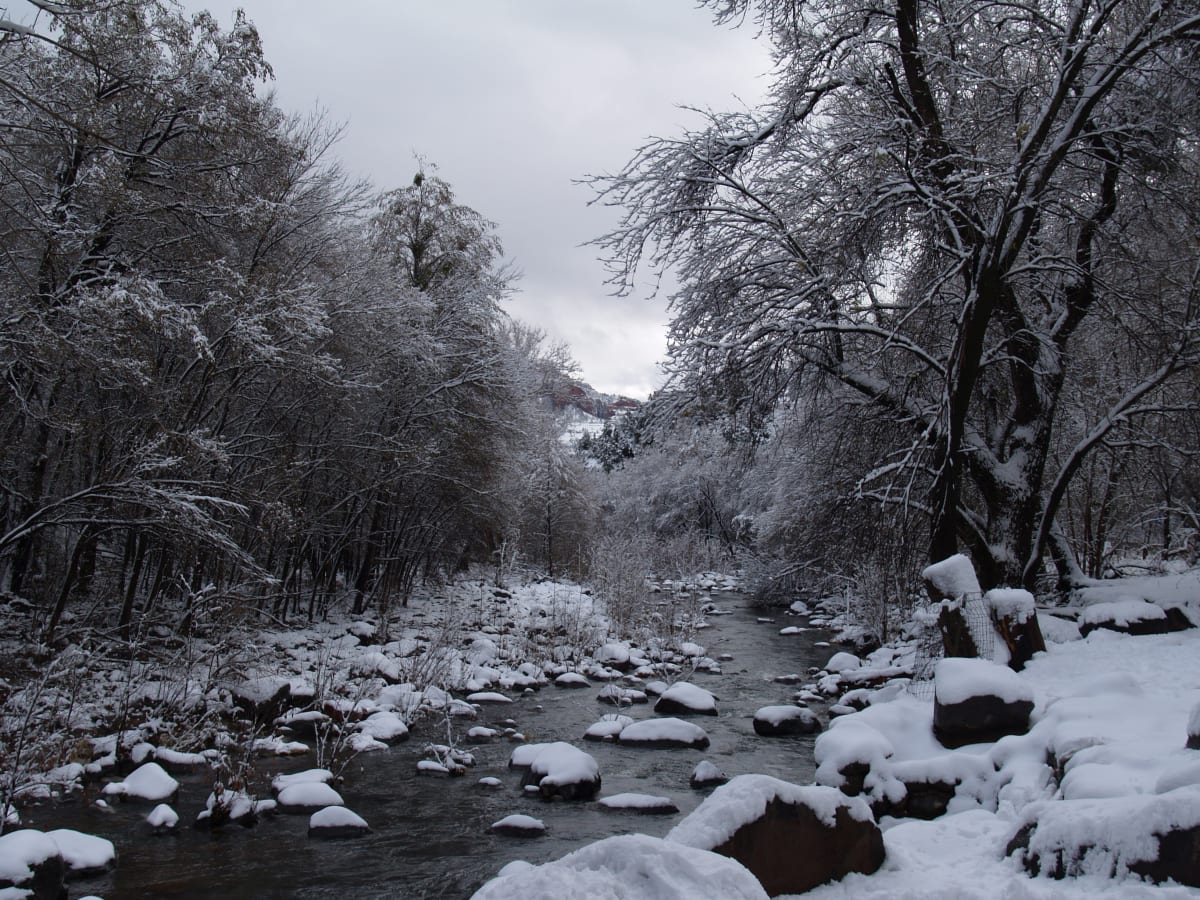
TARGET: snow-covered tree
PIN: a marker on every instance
(937, 202)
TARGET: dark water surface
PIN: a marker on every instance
(430, 835)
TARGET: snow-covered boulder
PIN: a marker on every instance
(488, 697)
(279, 782)
(707, 775)
(385, 727)
(619, 696)
(633, 865)
(306, 796)
(163, 819)
(660, 733)
(84, 854)
(560, 770)
(263, 699)
(336, 822)
(642, 803)
(571, 680)
(761, 822)
(31, 862)
(518, 825)
(147, 782)
(615, 655)
(976, 700)
(774, 721)
(1155, 837)
(608, 728)
(686, 699)
(842, 662)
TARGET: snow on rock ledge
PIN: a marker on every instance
(761, 821)
(634, 865)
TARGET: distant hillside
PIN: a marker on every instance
(585, 398)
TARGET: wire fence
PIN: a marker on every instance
(930, 648)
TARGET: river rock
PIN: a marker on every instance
(976, 700)
(765, 823)
(560, 770)
(774, 721)
(336, 822)
(664, 733)
(147, 782)
(642, 803)
(707, 775)
(686, 699)
(31, 861)
(571, 680)
(518, 825)
(307, 796)
(163, 820)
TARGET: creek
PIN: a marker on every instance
(430, 835)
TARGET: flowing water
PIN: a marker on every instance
(431, 835)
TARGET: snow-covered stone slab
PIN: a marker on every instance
(662, 733)
(30, 861)
(685, 698)
(336, 822)
(518, 825)
(563, 770)
(148, 782)
(642, 803)
(306, 796)
(773, 721)
(84, 854)
(976, 700)
(762, 822)
(1132, 615)
(630, 866)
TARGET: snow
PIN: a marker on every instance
(572, 679)
(336, 817)
(842, 662)
(691, 696)
(777, 715)
(148, 782)
(308, 776)
(641, 802)
(1058, 630)
(608, 727)
(666, 729)
(20, 851)
(309, 794)
(1123, 612)
(488, 697)
(162, 816)
(953, 578)
(83, 851)
(1014, 604)
(627, 866)
(744, 799)
(562, 763)
(519, 822)
(957, 680)
(384, 726)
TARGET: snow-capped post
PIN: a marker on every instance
(1014, 616)
(949, 583)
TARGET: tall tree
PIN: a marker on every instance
(937, 202)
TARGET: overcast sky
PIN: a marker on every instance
(514, 100)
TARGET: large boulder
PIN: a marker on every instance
(663, 734)
(1155, 837)
(30, 861)
(792, 838)
(976, 700)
